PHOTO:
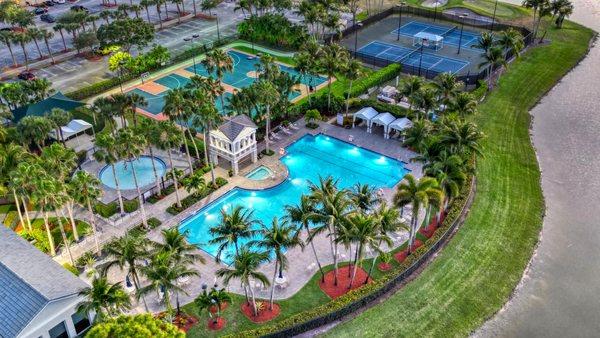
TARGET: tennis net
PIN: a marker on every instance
(450, 31)
(405, 57)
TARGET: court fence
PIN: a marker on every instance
(469, 79)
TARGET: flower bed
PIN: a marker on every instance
(344, 275)
(194, 198)
(264, 314)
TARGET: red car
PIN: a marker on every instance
(26, 76)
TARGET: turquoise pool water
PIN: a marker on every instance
(259, 173)
(143, 171)
(306, 159)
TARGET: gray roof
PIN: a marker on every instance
(235, 125)
(29, 280)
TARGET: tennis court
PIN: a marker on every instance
(451, 34)
(412, 57)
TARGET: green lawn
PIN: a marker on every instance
(476, 273)
(504, 11)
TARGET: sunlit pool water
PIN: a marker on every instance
(143, 171)
(259, 173)
(306, 159)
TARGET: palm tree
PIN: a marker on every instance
(107, 108)
(134, 100)
(35, 34)
(108, 151)
(146, 4)
(217, 61)
(158, 4)
(417, 134)
(59, 27)
(132, 147)
(492, 58)
(278, 238)
(245, 268)
(426, 100)
(149, 129)
(267, 94)
(447, 87)
(85, 188)
(561, 9)
(7, 38)
(163, 273)
(12, 157)
(34, 129)
(409, 87)
(352, 72)
(175, 109)
(418, 194)
(168, 138)
(485, 41)
(449, 171)
(48, 35)
(45, 188)
(364, 197)
(463, 104)
(511, 39)
(333, 60)
(302, 214)
(462, 137)
(22, 38)
(104, 299)
(209, 117)
(59, 118)
(234, 226)
(126, 251)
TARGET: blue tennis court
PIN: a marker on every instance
(412, 57)
(451, 34)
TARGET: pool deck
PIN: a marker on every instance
(300, 271)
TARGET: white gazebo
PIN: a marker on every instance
(73, 128)
(234, 140)
(384, 120)
(366, 114)
(400, 124)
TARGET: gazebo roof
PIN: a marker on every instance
(366, 113)
(401, 124)
(232, 128)
(429, 36)
(43, 107)
(74, 127)
(383, 119)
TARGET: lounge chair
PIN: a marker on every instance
(294, 126)
(275, 137)
(285, 130)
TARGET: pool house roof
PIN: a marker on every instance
(235, 126)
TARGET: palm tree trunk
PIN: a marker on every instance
(64, 236)
(254, 309)
(49, 50)
(178, 13)
(16, 198)
(156, 178)
(187, 151)
(335, 258)
(348, 98)
(312, 245)
(194, 5)
(246, 293)
(273, 286)
(205, 148)
(193, 139)
(358, 258)
(119, 197)
(268, 130)
(26, 56)
(329, 94)
(72, 219)
(372, 266)
(26, 212)
(93, 224)
(140, 198)
(12, 54)
(174, 179)
(49, 234)
(62, 36)
(166, 11)
(147, 14)
(159, 17)
(37, 46)
(136, 284)
(209, 162)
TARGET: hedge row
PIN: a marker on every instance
(480, 91)
(194, 198)
(108, 210)
(360, 297)
(382, 107)
(381, 76)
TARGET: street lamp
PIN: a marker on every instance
(462, 25)
(194, 37)
(358, 24)
(435, 6)
(400, 5)
(421, 58)
(218, 33)
(494, 17)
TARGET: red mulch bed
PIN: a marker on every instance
(428, 231)
(384, 266)
(213, 308)
(334, 291)
(263, 315)
(401, 256)
(216, 325)
(184, 322)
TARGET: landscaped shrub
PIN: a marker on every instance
(480, 91)
(106, 210)
(382, 107)
(220, 181)
(165, 192)
(193, 198)
(131, 206)
(274, 30)
(85, 259)
(320, 103)
(154, 222)
(374, 79)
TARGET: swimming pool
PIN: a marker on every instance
(259, 173)
(143, 170)
(306, 159)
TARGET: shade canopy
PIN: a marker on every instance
(384, 119)
(401, 124)
(44, 107)
(429, 36)
(72, 128)
(365, 114)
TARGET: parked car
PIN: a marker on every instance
(47, 18)
(60, 2)
(26, 76)
(79, 8)
(40, 10)
(49, 3)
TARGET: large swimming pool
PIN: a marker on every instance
(144, 170)
(307, 159)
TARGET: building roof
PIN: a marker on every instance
(232, 128)
(29, 281)
(43, 107)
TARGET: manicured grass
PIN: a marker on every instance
(40, 240)
(476, 273)
(5, 208)
(283, 59)
(486, 7)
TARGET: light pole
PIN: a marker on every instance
(494, 17)
(435, 6)
(462, 25)
(400, 5)
(195, 36)
(358, 24)
(421, 58)
(218, 33)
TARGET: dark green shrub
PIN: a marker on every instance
(274, 30)
(377, 78)
(480, 91)
(381, 107)
(106, 210)
(154, 222)
(220, 181)
(131, 206)
(267, 153)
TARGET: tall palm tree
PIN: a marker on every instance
(418, 194)
(36, 34)
(13, 156)
(8, 39)
(447, 87)
(462, 137)
(163, 273)
(34, 129)
(59, 27)
(46, 187)
(168, 138)
(417, 134)
(364, 197)
(409, 87)
(268, 94)
(218, 62)
(277, 238)
(235, 225)
(486, 41)
(104, 299)
(149, 129)
(449, 170)
(59, 118)
(132, 147)
(352, 72)
(492, 58)
(107, 109)
(302, 214)
(245, 268)
(86, 188)
(128, 251)
(175, 109)
(22, 38)
(463, 104)
(511, 39)
(425, 100)
(333, 60)
(206, 117)
(561, 9)
(47, 36)
(108, 151)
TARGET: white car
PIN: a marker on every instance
(59, 1)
